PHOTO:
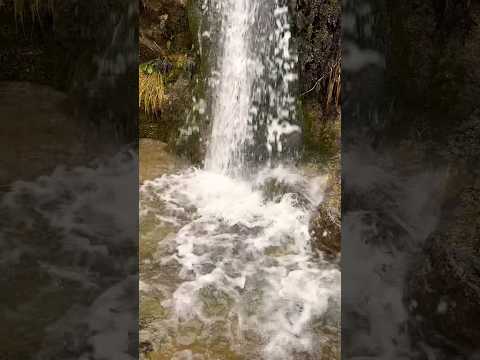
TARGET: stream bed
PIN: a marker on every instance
(227, 270)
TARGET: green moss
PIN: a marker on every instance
(194, 20)
(321, 134)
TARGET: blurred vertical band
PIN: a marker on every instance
(68, 179)
(410, 150)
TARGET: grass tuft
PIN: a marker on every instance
(152, 93)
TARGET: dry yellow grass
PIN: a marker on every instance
(152, 93)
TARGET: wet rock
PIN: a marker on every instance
(317, 32)
(330, 345)
(275, 190)
(324, 229)
(153, 338)
(183, 355)
(155, 160)
(443, 291)
(325, 223)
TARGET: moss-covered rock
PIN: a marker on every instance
(171, 45)
(324, 231)
(317, 33)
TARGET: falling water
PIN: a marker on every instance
(231, 109)
(253, 108)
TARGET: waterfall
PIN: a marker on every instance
(232, 272)
(253, 106)
(231, 131)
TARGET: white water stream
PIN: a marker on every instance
(252, 84)
(233, 269)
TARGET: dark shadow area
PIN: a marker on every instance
(69, 179)
(410, 152)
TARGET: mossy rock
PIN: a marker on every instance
(325, 232)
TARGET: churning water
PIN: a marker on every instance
(236, 259)
(67, 244)
(232, 271)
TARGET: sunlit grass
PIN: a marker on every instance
(152, 92)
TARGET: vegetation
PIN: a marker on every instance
(152, 93)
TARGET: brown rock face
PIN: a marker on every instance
(325, 231)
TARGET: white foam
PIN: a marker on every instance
(256, 249)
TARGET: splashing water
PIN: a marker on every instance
(236, 258)
(70, 230)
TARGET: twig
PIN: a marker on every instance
(315, 85)
(322, 77)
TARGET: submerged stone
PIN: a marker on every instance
(216, 302)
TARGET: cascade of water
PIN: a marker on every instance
(253, 107)
(230, 129)
(238, 277)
